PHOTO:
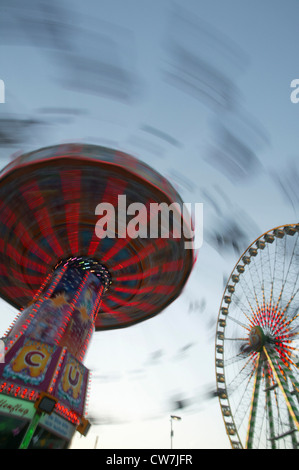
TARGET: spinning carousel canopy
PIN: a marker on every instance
(48, 201)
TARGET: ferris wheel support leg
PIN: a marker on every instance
(293, 410)
(293, 435)
(30, 431)
(270, 412)
(253, 408)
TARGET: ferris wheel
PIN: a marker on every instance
(257, 344)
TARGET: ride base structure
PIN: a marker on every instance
(67, 283)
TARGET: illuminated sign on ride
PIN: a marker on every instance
(46, 368)
(16, 407)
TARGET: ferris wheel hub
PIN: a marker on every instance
(257, 338)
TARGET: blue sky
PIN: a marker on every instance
(200, 91)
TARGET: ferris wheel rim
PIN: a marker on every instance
(221, 384)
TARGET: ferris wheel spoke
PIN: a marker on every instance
(235, 339)
(296, 315)
(251, 311)
(253, 277)
(253, 408)
(238, 322)
(294, 254)
(236, 358)
(286, 276)
(242, 381)
(243, 309)
(244, 400)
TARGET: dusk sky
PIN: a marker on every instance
(201, 91)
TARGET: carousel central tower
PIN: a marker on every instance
(67, 283)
